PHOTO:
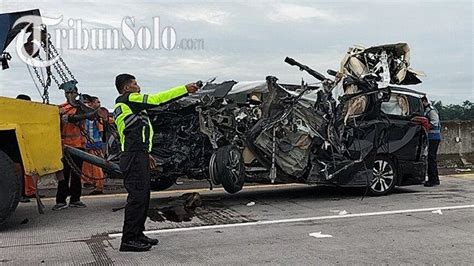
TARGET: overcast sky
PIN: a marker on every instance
(248, 41)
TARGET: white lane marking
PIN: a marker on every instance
(319, 235)
(296, 220)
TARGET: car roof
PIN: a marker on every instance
(407, 91)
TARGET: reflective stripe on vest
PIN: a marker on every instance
(130, 120)
(435, 133)
(121, 111)
(124, 117)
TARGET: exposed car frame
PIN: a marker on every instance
(236, 132)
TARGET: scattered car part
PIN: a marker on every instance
(181, 209)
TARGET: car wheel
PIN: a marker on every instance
(10, 187)
(161, 183)
(213, 170)
(385, 176)
(230, 168)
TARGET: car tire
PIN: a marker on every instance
(384, 176)
(213, 176)
(230, 168)
(160, 184)
(10, 187)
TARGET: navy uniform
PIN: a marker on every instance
(434, 138)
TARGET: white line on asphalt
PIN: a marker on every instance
(296, 220)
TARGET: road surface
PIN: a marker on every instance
(283, 224)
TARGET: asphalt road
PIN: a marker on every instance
(285, 224)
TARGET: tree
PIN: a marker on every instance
(455, 111)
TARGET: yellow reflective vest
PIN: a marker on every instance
(133, 124)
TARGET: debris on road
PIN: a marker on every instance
(459, 170)
(250, 204)
(319, 235)
(339, 212)
(118, 208)
(179, 210)
(437, 212)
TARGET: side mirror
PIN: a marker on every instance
(332, 72)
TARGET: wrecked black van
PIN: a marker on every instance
(370, 140)
(359, 129)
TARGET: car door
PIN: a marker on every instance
(403, 137)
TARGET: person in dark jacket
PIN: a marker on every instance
(136, 135)
(434, 138)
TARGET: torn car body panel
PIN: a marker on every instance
(391, 62)
(295, 139)
(264, 131)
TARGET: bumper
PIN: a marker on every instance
(411, 173)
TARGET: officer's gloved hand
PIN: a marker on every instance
(192, 87)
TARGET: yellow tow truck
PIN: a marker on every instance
(30, 138)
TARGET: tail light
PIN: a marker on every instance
(421, 120)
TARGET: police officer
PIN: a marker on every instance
(136, 135)
(434, 138)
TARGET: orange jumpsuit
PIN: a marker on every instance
(89, 170)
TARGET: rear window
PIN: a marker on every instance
(415, 105)
(397, 105)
